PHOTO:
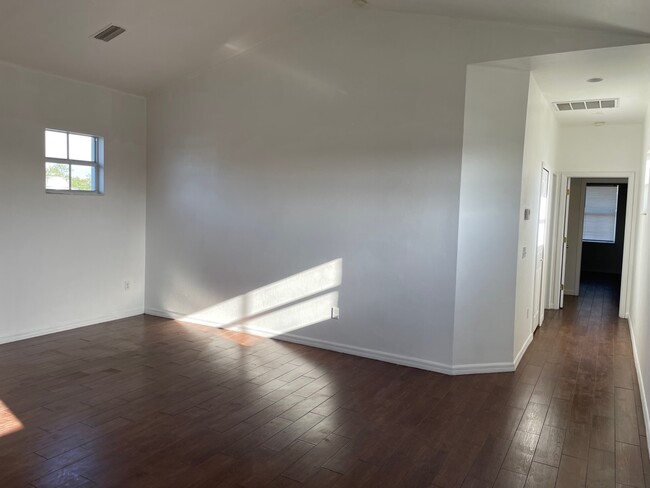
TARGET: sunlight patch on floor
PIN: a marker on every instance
(9, 423)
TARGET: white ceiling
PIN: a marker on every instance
(167, 39)
(563, 77)
(623, 16)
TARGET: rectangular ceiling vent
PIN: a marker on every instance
(586, 105)
(109, 33)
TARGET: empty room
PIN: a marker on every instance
(324, 243)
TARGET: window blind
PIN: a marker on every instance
(601, 204)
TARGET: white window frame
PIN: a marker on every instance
(97, 164)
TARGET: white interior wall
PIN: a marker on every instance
(64, 258)
(490, 194)
(342, 141)
(539, 151)
(592, 149)
(640, 290)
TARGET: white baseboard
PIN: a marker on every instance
(192, 319)
(644, 403)
(387, 357)
(523, 350)
(69, 326)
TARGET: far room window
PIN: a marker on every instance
(601, 205)
(72, 162)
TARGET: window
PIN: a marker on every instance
(72, 162)
(601, 205)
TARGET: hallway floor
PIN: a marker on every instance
(148, 402)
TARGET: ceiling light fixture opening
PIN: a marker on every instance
(594, 80)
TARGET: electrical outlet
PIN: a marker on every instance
(127, 285)
(335, 313)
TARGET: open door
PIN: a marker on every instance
(542, 225)
(564, 240)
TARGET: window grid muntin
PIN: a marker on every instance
(75, 162)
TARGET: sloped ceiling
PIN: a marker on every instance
(167, 39)
(620, 16)
(164, 39)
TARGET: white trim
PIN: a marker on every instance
(552, 298)
(522, 351)
(387, 357)
(635, 354)
(461, 369)
(370, 354)
(630, 223)
(69, 326)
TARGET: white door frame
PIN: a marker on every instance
(630, 220)
(543, 299)
(554, 201)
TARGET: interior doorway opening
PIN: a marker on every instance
(543, 220)
(595, 242)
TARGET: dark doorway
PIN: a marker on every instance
(603, 240)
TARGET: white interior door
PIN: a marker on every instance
(564, 240)
(542, 225)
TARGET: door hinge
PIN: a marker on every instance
(561, 287)
(568, 191)
(565, 241)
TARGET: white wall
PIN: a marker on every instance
(640, 290)
(539, 151)
(342, 140)
(64, 258)
(490, 194)
(495, 282)
(612, 147)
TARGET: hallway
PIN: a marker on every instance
(148, 402)
(593, 427)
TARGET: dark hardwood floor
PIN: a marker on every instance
(147, 402)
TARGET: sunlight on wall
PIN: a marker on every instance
(9, 423)
(286, 305)
(287, 319)
(299, 76)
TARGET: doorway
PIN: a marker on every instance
(540, 250)
(596, 240)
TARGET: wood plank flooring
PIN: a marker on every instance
(147, 402)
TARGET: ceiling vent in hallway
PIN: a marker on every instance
(586, 105)
(109, 33)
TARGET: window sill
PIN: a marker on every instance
(74, 192)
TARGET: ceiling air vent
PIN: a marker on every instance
(586, 105)
(109, 33)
